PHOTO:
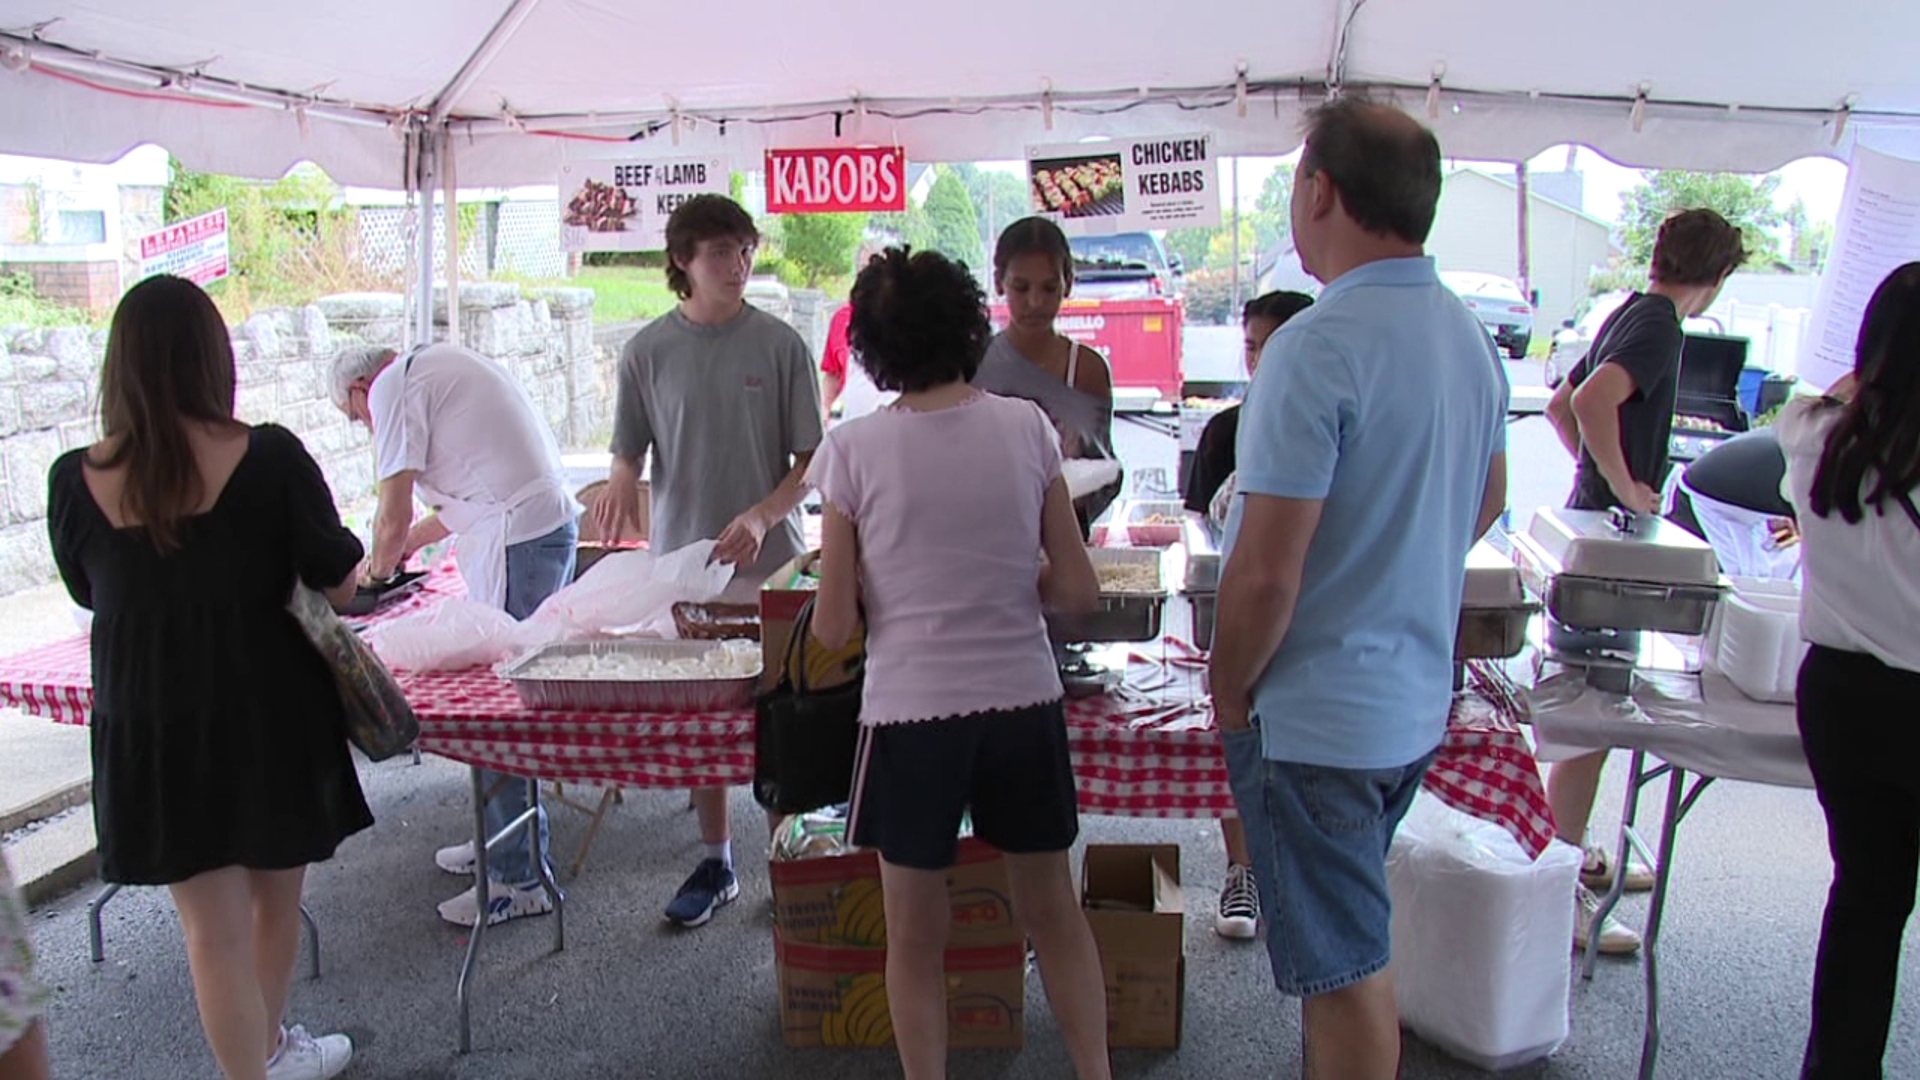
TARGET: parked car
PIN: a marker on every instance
(1506, 314)
(1571, 342)
(1125, 266)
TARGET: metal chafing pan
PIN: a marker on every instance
(1590, 603)
(627, 695)
(1121, 616)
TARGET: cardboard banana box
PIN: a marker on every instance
(837, 900)
(837, 996)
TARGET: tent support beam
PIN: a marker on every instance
(428, 150)
(490, 47)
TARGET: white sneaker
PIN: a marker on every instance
(1615, 939)
(503, 902)
(457, 859)
(303, 1057)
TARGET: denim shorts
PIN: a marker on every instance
(1319, 838)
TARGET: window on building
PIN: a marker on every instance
(81, 227)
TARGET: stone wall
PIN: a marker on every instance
(49, 382)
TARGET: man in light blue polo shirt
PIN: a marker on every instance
(1372, 455)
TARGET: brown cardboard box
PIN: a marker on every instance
(1132, 896)
(837, 901)
(780, 604)
(837, 996)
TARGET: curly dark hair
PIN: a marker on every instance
(1697, 247)
(919, 321)
(1032, 236)
(703, 217)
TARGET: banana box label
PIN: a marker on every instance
(838, 900)
(837, 996)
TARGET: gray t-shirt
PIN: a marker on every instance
(724, 409)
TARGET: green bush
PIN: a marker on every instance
(20, 305)
(1210, 297)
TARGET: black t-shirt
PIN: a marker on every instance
(1744, 471)
(1213, 459)
(1644, 338)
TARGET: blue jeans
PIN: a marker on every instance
(536, 569)
(1319, 837)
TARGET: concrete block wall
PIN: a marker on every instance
(49, 387)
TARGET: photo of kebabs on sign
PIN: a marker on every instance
(623, 205)
(1079, 187)
(1123, 185)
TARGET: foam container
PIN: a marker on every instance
(1482, 937)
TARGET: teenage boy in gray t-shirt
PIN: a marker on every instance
(726, 398)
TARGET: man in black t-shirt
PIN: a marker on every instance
(1614, 413)
(1213, 459)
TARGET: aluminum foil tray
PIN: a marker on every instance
(628, 695)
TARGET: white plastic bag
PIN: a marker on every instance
(632, 593)
(1482, 937)
(455, 634)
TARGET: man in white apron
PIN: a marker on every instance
(456, 427)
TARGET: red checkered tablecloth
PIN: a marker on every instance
(1147, 750)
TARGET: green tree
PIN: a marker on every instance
(1194, 246)
(1745, 201)
(1808, 241)
(289, 240)
(1272, 214)
(956, 224)
(1000, 199)
(822, 246)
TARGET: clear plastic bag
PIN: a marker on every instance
(456, 634)
(632, 593)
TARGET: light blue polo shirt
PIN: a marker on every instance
(1384, 399)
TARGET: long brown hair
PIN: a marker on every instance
(169, 361)
(1878, 434)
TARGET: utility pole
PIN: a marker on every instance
(1234, 224)
(1525, 270)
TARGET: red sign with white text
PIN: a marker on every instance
(839, 180)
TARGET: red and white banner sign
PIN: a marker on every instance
(840, 180)
(195, 249)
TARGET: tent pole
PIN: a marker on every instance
(490, 47)
(453, 238)
(423, 279)
(1524, 263)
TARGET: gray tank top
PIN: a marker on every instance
(1006, 371)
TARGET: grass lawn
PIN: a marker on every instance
(621, 293)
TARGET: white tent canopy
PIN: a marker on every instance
(520, 86)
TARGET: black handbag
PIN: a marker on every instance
(805, 739)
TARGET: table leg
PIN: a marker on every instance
(462, 990)
(1637, 778)
(313, 942)
(530, 819)
(1678, 804)
(94, 937)
(545, 871)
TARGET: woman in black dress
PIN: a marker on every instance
(220, 757)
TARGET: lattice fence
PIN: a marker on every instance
(521, 238)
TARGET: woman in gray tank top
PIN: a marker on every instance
(1033, 269)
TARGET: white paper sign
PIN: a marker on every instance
(1878, 230)
(624, 205)
(195, 249)
(1126, 185)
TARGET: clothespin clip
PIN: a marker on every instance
(1639, 113)
(1046, 103)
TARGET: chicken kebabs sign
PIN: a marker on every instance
(1124, 185)
(624, 205)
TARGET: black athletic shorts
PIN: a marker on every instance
(1012, 769)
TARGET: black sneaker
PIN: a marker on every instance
(1239, 915)
(711, 886)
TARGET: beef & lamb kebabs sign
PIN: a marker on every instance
(624, 205)
(1126, 185)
